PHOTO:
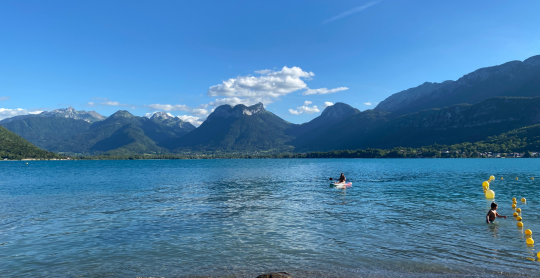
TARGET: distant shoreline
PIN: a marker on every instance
(245, 158)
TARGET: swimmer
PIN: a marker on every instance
(342, 178)
(492, 214)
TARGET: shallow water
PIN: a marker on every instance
(244, 217)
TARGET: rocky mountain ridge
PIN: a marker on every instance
(515, 78)
(69, 113)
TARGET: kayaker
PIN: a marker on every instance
(342, 178)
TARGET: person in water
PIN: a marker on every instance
(342, 178)
(492, 214)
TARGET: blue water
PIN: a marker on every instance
(240, 218)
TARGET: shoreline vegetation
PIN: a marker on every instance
(425, 152)
(519, 143)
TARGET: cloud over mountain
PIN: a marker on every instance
(305, 109)
(323, 91)
(8, 113)
(265, 88)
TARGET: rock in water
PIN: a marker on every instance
(275, 275)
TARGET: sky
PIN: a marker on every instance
(296, 57)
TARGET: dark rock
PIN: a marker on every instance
(275, 275)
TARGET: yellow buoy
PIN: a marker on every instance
(528, 232)
(518, 218)
(532, 178)
(513, 206)
(530, 241)
(490, 194)
(485, 184)
(518, 210)
(502, 178)
(516, 178)
(520, 224)
(538, 255)
(513, 199)
(515, 214)
(492, 178)
(26, 163)
(523, 200)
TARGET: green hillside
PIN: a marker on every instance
(13, 146)
(121, 133)
(48, 133)
(523, 140)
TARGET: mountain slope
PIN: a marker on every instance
(122, 132)
(69, 113)
(512, 79)
(314, 128)
(238, 128)
(13, 146)
(174, 123)
(330, 115)
(451, 125)
(48, 133)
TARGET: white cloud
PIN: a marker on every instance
(169, 107)
(180, 107)
(304, 109)
(352, 11)
(367, 103)
(196, 121)
(4, 98)
(327, 103)
(294, 112)
(233, 101)
(199, 112)
(113, 103)
(105, 102)
(323, 91)
(250, 90)
(263, 71)
(8, 113)
(149, 115)
(270, 85)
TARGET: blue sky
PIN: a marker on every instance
(187, 57)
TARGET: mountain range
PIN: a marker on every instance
(487, 102)
(63, 131)
(511, 79)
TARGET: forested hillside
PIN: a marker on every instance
(13, 146)
(452, 125)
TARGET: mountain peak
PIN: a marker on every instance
(122, 113)
(532, 61)
(161, 115)
(250, 110)
(339, 110)
(513, 79)
(69, 113)
(227, 111)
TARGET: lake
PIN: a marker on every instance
(241, 218)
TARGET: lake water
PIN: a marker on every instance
(241, 218)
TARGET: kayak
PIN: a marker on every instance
(342, 185)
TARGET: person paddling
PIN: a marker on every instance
(342, 178)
